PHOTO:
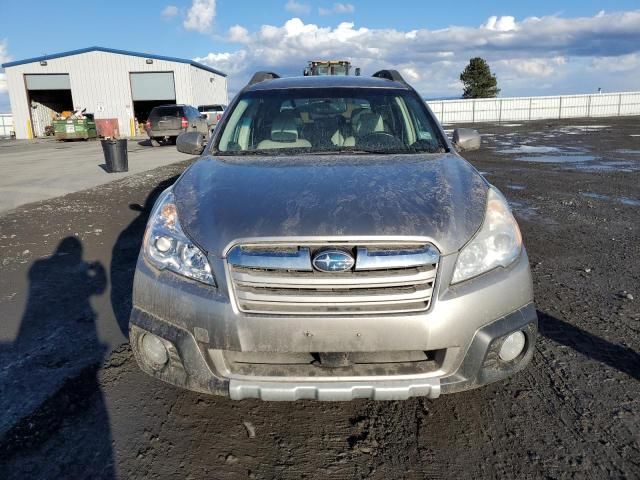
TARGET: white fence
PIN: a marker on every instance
(536, 108)
(6, 124)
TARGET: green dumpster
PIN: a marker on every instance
(72, 129)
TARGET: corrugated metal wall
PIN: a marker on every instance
(206, 91)
(100, 83)
(536, 108)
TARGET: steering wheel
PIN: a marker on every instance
(380, 139)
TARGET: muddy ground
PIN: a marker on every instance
(73, 408)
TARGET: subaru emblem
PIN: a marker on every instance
(333, 261)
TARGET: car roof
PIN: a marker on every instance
(326, 81)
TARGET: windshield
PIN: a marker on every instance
(168, 111)
(328, 120)
(210, 108)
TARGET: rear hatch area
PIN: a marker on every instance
(166, 120)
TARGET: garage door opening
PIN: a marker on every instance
(149, 90)
(48, 96)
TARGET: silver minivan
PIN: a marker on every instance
(331, 244)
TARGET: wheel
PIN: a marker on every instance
(155, 143)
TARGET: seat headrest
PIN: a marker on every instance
(284, 128)
(369, 122)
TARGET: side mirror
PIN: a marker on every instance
(191, 143)
(465, 139)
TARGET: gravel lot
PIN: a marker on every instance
(75, 405)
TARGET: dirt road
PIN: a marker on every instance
(71, 409)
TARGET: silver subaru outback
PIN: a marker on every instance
(331, 244)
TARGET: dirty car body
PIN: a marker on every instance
(332, 244)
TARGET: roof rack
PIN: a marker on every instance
(392, 75)
(262, 76)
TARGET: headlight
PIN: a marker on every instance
(498, 243)
(166, 245)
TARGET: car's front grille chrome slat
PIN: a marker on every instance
(279, 280)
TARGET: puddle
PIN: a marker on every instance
(597, 196)
(601, 196)
(530, 149)
(523, 210)
(628, 151)
(586, 127)
(628, 201)
(515, 187)
(610, 166)
(557, 158)
(510, 124)
(580, 129)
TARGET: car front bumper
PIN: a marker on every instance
(465, 326)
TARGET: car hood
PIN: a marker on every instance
(222, 199)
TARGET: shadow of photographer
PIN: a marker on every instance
(51, 368)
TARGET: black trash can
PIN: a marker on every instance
(115, 155)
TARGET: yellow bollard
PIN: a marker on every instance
(29, 130)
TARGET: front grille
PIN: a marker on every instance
(279, 279)
(315, 365)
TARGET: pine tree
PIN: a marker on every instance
(478, 80)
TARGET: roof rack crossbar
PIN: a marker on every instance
(262, 76)
(392, 75)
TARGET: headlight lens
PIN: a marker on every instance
(498, 243)
(166, 245)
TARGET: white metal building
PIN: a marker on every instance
(111, 84)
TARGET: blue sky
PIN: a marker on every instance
(571, 47)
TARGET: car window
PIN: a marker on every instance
(166, 111)
(210, 108)
(329, 120)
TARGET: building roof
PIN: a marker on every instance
(112, 50)
(327, 81)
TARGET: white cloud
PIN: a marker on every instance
(534, 67)
(200, 16)
(297, 7)
(169, 11)
(623, 63)
(337, 8)
(547, 47)
(500, 24)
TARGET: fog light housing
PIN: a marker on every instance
(512, 346)
(154, 350)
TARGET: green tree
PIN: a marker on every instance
(478, 80)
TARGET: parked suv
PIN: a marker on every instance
(213, 113)
(166, 122)
(331, 244)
